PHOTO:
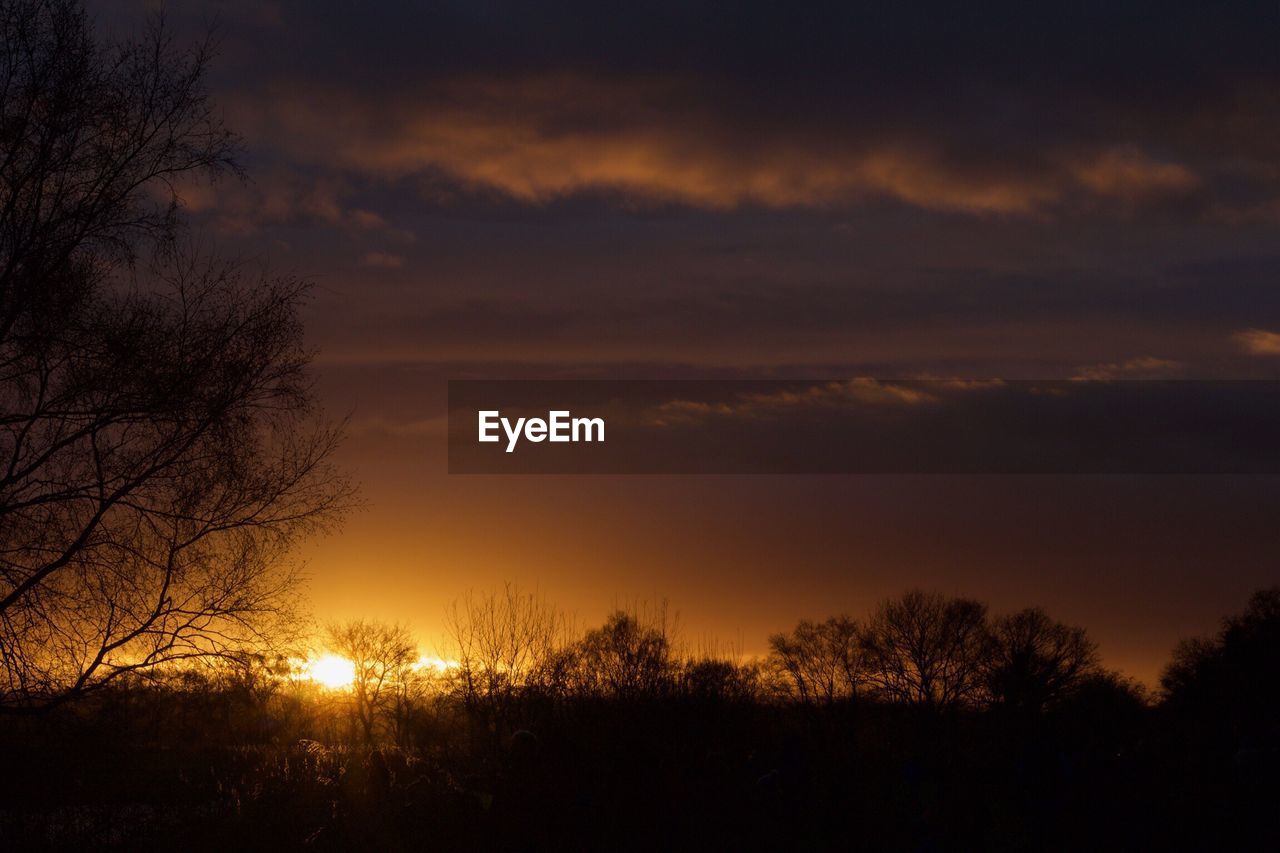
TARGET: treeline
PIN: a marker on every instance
(514, 655)
(927, 723)
(512, 661)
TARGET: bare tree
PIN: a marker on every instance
(821, 661)
(926, 649)
(160, 447)
(93, 138)
(385, 682)
(506, 643)
(1033, 661)
(717, 679)
(631, 656)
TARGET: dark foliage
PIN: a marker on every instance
(705, 755)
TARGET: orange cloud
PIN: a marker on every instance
(1128, 173)
(1143, 367)
(851, 392)
(284, 195)
(548, 137)
(1258, 341)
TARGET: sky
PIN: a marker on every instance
(763, 190)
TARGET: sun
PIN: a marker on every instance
(331, 671)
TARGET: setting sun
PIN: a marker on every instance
(331, 671)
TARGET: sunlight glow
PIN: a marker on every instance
(439, 665)
(330, 670)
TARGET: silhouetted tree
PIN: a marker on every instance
(1033, 661)
(1232, 678)
(630, 656)
(385, 681)
(506, 643)
(926, 649)
(822, 661)
(93, 138)
(160, 449)
(717, 680)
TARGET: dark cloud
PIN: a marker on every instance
(1057, 324)
(1003, 109)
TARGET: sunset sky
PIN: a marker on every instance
(755, 190)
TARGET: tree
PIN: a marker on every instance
(822, 661)
(630, 656)
(507, 644)
(926, 649)
(716, 680)
(1231, 679)
(94, 137)
(385, 679)
(1034, 662)
(160, 448)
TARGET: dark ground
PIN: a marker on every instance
(152, 772)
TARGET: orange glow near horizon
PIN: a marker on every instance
(434, 664)
(329, 670)
(335, 672)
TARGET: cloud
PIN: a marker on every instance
(1129, 173)
(540, 138)
(383, 260)
(285, 195)
(860, 391)
(1143, 367)
(1258, 341)
(943, 108)
(366, 218)
(838, 394)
